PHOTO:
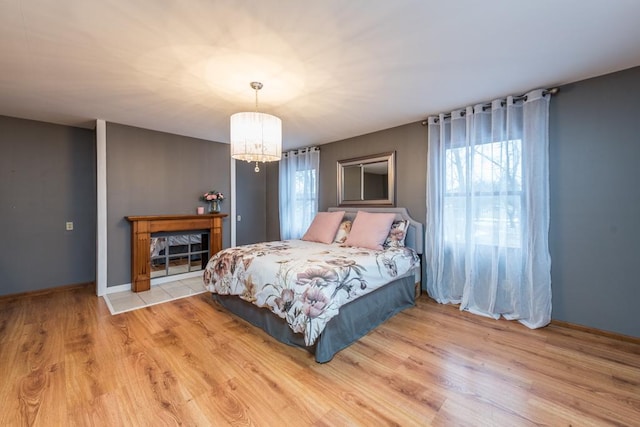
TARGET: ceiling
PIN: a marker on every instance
(331, 69)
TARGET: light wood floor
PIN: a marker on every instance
(64, 360)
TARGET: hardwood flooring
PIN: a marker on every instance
(64, 360)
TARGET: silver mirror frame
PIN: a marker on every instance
(361, 161)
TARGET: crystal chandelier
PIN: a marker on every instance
(256, 137)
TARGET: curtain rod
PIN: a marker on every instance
(300, 151)
(551, 91)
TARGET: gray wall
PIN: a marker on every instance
(155, 173)
(272, 206)
(47, 177)
(251, 194)
(410, 144)
(595, 202)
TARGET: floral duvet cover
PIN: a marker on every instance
(303, 282)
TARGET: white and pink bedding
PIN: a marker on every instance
(304, 282)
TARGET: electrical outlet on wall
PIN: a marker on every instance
(69, 225)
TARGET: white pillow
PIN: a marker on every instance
(343, 231)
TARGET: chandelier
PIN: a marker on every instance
(256, 137)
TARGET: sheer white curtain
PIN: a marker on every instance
(488, 209)
(298, 191)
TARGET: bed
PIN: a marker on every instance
(321, 297)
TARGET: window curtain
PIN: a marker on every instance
(488, 209)
(298, 190)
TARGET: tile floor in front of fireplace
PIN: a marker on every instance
(121, 302)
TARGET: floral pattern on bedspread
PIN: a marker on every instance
(303, 282)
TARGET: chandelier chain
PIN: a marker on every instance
(256, 86)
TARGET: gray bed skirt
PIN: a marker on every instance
(355, 319)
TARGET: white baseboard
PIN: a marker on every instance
(173, 278)
(118, 288)
(154, 282)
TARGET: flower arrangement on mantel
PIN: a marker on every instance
(213, 199)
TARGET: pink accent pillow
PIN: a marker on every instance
(324, 226)
(369, 230)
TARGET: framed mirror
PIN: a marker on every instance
(368, 180)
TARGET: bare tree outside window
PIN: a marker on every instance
(305, 194)
(490, 172)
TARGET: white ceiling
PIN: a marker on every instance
(331, 69)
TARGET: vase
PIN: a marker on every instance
(214, 206)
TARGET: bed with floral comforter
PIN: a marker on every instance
(305, 283)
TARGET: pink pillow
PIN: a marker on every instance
(369, 230)
(324, 226)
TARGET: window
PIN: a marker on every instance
(298, 191)
(486, 240)
(495, 171)
(306, 198)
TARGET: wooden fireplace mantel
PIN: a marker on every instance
(143, 225)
